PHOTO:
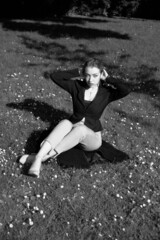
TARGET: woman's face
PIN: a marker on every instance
(92, 76)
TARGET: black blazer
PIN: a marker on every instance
(92, 111)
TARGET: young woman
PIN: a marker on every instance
(91, 91)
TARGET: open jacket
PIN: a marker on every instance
(108, 91)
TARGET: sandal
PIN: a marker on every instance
(26, 158)
(51, 155)
(34, 170)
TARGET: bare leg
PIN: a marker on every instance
(36, 165)
(56, 136)
(74, 137)
(80, 134)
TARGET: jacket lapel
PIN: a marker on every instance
(81, 96)
(98, 98)
(81, 93)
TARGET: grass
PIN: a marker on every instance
(106, 200)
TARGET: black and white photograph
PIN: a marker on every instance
(79, 120)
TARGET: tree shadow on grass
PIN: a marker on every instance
(60, 52)
(64, 19)
(64, 28)
(151, 87)
(74, 19)
(146, 81)
(56, 30)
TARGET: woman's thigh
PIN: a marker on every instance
(92, 140)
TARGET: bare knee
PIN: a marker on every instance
(99, 144)
(67, 123)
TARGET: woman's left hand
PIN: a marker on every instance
(104, 74)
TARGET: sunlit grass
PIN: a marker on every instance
(107, 200)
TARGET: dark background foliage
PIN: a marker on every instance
(49, 8)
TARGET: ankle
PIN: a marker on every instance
(38, 158)
(56, 153)
(53, 153)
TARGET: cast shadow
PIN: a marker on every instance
(56, 30)
(60, 52)
(44, 112)
(40, 109)
(105, 154)
(148, 83)
(72, 19)
(77, 19)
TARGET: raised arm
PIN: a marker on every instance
(118, 88)
(64, 79)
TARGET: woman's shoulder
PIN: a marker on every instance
(81, 83)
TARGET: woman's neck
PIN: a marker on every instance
(93, 87)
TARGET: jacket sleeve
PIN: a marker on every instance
(65, 79)
(117, 89)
